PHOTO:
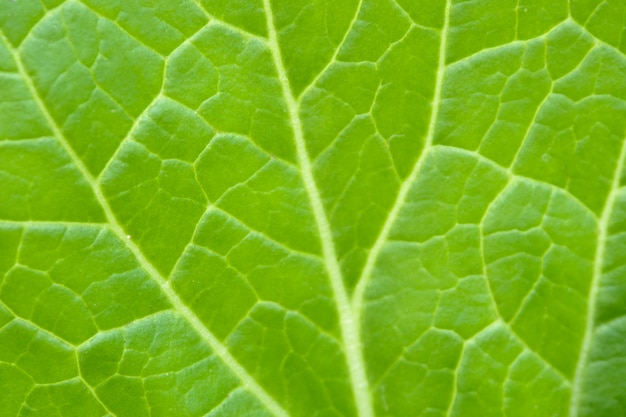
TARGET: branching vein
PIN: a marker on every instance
(220, 350)
(349, 326)
(408, 182)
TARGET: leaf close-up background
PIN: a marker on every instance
(313, 208)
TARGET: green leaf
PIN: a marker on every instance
(313, 208)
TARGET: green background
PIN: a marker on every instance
(313, 208)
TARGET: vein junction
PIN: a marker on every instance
(349, 308)
(218, 348)
(347, 320)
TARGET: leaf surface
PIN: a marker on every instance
(313, 208)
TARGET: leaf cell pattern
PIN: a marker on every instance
(313, 208)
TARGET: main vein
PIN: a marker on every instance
(357, 300)
(220, 350)
(349, 326)
(603, 234)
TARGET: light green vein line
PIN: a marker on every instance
(145, 113)
(603, 234)
(220, 350)
(89, 387)
(455, 378)
(349, 327)
(598, 40)
(118, 25)
(333, 59)
(484, 51)
(223, 22)
(512, 175)
(95, 395)
(484, 272)
(131, 132)
(27, 320)
(357, 300)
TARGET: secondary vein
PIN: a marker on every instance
(219, 349)
(359, 292)
(603, 234)
(348, 324)
(333, 58)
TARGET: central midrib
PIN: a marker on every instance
(347, 322)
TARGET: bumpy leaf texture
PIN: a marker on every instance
(313, 208)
